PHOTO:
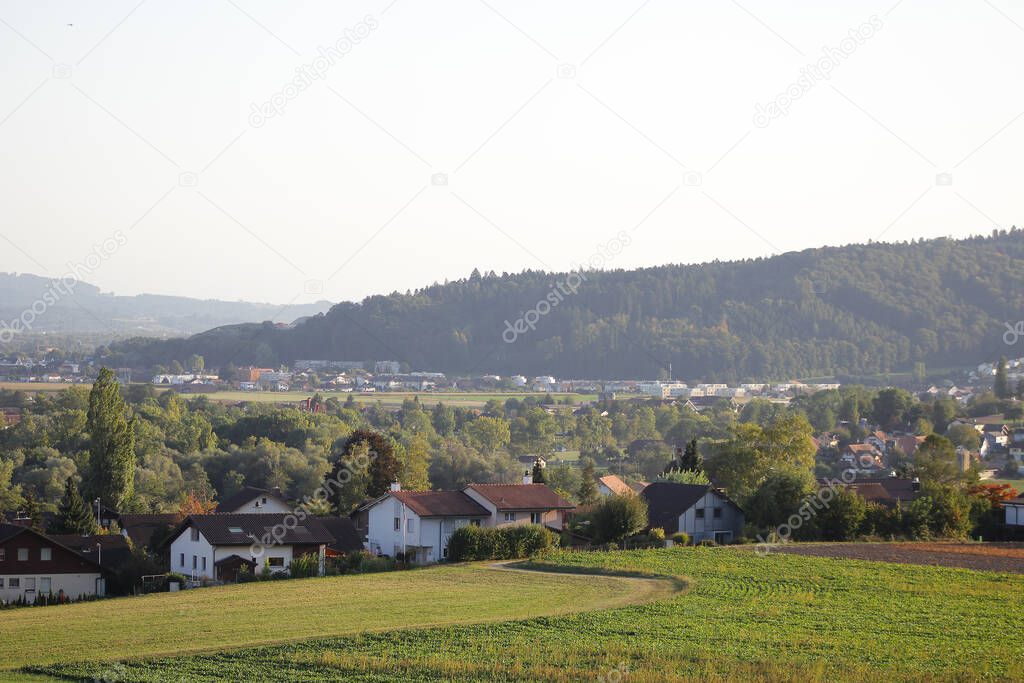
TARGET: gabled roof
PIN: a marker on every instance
(9, 531)
(666, 501)
(248, 493)
(440, 503)
(245, 528)
(114, 547)
(521, 496)
(343, 530)
(140, 528)
(615, 484)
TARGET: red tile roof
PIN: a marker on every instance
(615, 484)
(521, 496)
(440, 503)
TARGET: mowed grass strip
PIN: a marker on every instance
(744, 617)
(275, 611)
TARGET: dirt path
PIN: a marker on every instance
(994, 557)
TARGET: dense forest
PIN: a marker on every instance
(837, 311)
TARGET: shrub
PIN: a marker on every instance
(498, 543)
(657, 535)
(617, 517)
(681, 538)
(304, 566)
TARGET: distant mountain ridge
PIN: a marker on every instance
(856, 309)
(88, 311)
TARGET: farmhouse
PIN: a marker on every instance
(701, 511)
(419, 524)
(32, 564)
(217, 546)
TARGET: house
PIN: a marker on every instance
(143, 529)
(253, 500)
(887, 491)
(216, 546)
(419, 524)
(1014, 511)
(861, 456)
(701, 511)
(32, 564)
(525, 503)
(612, 485)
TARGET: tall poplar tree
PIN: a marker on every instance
(111, 443)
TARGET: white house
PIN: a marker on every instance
(701, 511)
(257, 501)
(419, 524)
(216, 546)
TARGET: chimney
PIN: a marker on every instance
(915, 484)
(527, 477)
(396, 486)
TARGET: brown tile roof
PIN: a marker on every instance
(521, 496)
(218, 529)
(615, 484)
(140, 528)
(248, 493)
(440, 503)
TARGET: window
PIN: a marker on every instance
(1, 582)
(408, 525)
(22, 554)
(232, 529)
(3, 554)
(181, 560)
(398, 523)
(700, 513)
(718, 513)
(46, 554)
(14, 583)
(204, 563)
(30, 584)
(264, 500)
(275, 562)
(195, 562)
(536, 517)
(194, 534)
(44, 584)
(443, 554)
(510, 516)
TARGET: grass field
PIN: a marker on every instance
(247, 614)
(744, 617)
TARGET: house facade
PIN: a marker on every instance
(32, 564)
(701, 511)
(419, 524)
(215, 547)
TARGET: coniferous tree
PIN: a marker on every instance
(74, 516)
(692, 459)
(587, 493)
(32, 511)
(1001, 386)
(111, 443)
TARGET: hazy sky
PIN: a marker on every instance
(432, 138)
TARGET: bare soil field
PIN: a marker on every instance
(995, 557)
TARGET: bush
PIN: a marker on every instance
(616, 518)
(304, 566)
(657, 535)
(681, 538)
(498, 543)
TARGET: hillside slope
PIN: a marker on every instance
(855, 309)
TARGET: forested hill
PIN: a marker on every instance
(838, 310)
